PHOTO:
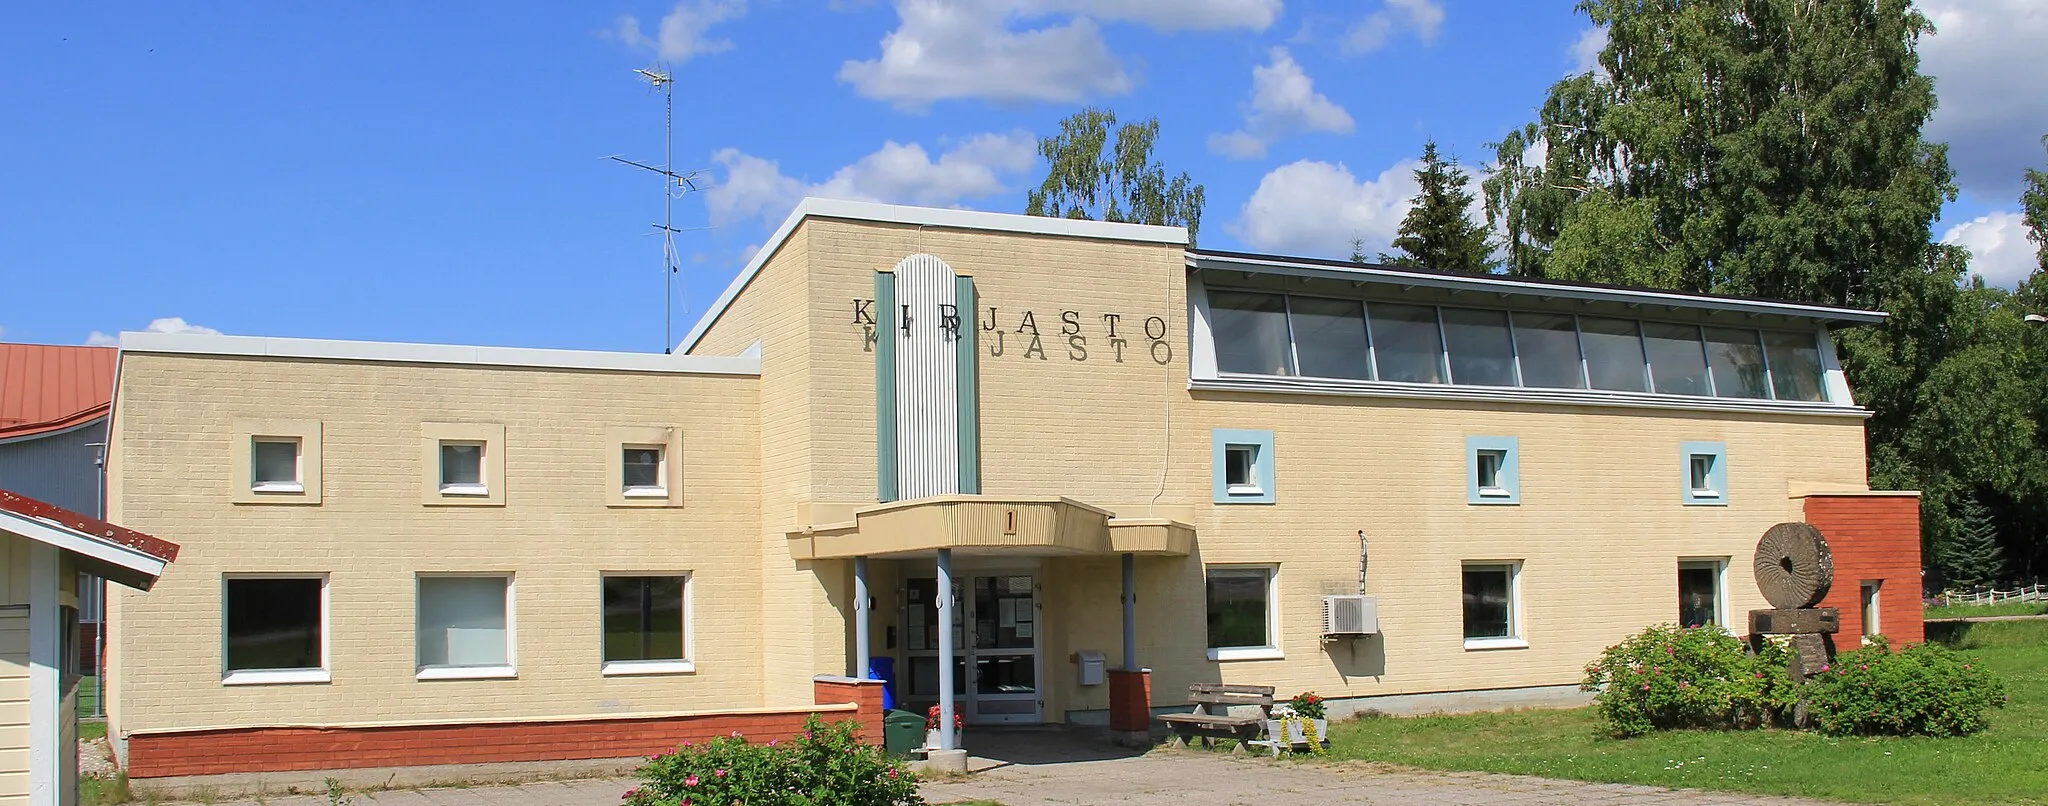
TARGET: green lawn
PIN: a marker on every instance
(2001, 609)
(2006, 764)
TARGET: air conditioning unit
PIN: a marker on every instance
(1350, 615)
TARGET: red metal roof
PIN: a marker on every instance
(47, 387)
(23, 505)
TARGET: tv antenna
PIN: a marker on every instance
(673, 184)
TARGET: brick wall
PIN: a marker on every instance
(1874, 537)
(278, 749)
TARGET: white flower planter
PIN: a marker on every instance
(931, 738)
(1289, 733)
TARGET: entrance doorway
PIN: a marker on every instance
(996, 669)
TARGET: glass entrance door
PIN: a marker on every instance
(995, 671)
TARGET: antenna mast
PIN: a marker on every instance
(673, 184)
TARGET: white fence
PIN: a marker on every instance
(2029, 593)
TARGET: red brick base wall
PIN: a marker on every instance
(1130, 701)
(1873, 537)
(208, 752)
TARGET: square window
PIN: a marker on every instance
(464, 626)
(1706, 473)
(1867, 591)
(1241, 464)
(1699, 593)
(274, 630)
(1491, 476)
(645, 620)
(1240, 610)
(1492, 614)
(642, 470)
(274, 465)
(462, 468)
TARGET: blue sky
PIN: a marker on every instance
(433, 171)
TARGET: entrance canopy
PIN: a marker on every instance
(99, 548)
(1023, 527)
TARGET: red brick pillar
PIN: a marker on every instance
(865, 695)
(1130, 703)
(1874, 536)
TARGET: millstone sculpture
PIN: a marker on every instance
(1794, 570)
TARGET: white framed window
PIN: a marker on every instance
(1493, 605)
(1873, 625)
(274, 465)
(647, 624)
(1243, 612)
(462, 468)
(464, 627)
(462, 464)
(643, 471)
(1706, 473)
(1241, 466)
(1700, 593)
(643, 466)
(1240, 470)
(276, 462)
(1490, 463)
(1491, 473)
(274, 629)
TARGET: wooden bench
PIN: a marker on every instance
(1211, 718)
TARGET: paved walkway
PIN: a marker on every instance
(1049, 768)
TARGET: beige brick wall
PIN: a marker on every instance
(170, 476)
(1601, 527)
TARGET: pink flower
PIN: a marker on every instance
(774, 742)
(1646, 687)
(631, 794)
(718, 773)
(690, 781)
(807, 734)
(892, 772)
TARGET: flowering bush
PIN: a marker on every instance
(931, 719)
(1307, 705)
(1673, 677)
(823, 767)
(1921, 690)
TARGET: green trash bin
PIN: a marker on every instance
(902, 732)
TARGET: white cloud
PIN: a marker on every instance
(1025, 50)
(978, 167)
(1171, 15)
(684, 31)
(1991, 114)
(1317, 208)
(1585, 51)
(968, 50)
(1284, 101)
(1999, 249)
(1420, 17)
(168, 324)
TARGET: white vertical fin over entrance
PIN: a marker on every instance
(927, 376)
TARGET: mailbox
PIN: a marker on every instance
(1092, 667)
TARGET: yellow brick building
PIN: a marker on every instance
(1115, 451)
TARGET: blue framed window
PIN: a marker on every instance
(1241, 466)
(1705, 473)
(1492, 472)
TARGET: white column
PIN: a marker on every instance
(45, 679)
(946, 649)
(860, 618)
(1130, 612)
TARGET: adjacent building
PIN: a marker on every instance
(1037, 470)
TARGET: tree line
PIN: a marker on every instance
(1765, 148)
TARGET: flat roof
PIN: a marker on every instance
(1506, 284)
(748, 363)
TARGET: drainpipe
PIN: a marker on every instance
(946, 650)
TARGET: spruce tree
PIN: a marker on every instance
(1972, 557)
(1436, 234)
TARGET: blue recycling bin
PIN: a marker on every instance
(884, 669)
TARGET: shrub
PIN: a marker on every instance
(1922, 690)
(1669, 677)
(823, 767)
